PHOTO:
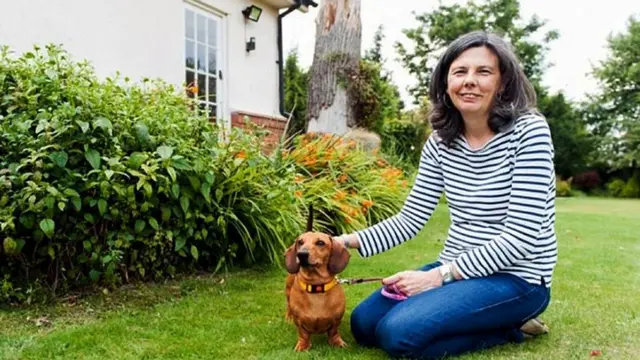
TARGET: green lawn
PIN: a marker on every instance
(595, 304)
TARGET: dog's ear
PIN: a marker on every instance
(339, 257)
(291, 260)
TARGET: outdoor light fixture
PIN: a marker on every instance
(252, 13)
(251, 44)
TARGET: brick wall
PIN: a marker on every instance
(275, 126)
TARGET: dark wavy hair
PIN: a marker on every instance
(517, 97)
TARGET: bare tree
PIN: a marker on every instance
(336, 61)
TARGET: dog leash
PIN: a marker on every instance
(358, 280)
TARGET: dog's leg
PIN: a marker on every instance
(334, 336)
(304, 340)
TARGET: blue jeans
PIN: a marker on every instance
(459, 317)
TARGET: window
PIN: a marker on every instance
(202, 59)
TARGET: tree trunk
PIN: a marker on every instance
(336, 61)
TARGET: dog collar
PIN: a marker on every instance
(321, 288)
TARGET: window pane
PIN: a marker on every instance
(212, 61)
(200, 28)
(202, 60)
(189, 54)
(202, 87)
(190, 83)
(212, 38)
(188, 23)
(212, 89)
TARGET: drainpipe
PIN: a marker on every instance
(280, 61)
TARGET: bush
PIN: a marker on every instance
(615, 187)
(632, 187)
(103, 183)
(587, 181)
(404, 139)
(563, 187)
(348, 187)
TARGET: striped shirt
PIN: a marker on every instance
(501, 199)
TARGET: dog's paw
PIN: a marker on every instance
(302, 346)
(337, 342)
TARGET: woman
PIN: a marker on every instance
(491, 154)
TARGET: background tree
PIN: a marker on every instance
(614, 112)
(438, 28)
(296, 81)
(336, 61)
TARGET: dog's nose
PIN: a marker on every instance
(303, 256)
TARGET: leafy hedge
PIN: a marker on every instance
(106, 181)
(103, 182)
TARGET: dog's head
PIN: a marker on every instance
(316, 250)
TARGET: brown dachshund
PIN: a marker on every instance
(315, 299)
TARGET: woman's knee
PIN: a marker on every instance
(398, 339)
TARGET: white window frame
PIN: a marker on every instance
(221, 98)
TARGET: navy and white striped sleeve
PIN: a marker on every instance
(533, 174)
(416, 210)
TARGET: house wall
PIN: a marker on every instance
(145, 38)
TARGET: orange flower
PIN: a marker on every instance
(367, 203)
(340, 195)
(299, 179)
(298, 194)
(343, 178)
(241, 155)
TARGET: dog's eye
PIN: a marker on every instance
(320, 243)
(300, 242)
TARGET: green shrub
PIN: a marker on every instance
(632, 187)
(563, 187)
(404, 139)
(104, 183)
(615, 187)
(349, 187)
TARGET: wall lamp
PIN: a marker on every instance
(252, 13)
(251, 44)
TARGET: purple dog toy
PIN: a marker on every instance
(392, 292)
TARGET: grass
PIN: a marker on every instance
(594, 304)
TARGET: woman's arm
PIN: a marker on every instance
(416, 210)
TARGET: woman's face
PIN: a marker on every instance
(474, 80)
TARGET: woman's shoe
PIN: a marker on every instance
(533, 328)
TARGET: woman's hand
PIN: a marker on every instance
(415, 282)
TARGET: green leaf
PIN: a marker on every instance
(108, 174)
(154, 223)
(184, 203)
(209, 177)
(70, 192)
(60, 158)
(86, 244)
(205, 190)
(84, 126)
(140, 225)
(61, 206)
(175, 190)
(103, 123)
(219, 195)
(77, 203)
(94, 275)
(136, 159)
(180, 242)
(166, 213)
(194, 252)
(142, 133)
(93, 157)
(195, 182)
(172, 173)
(102, 206)
(48, 226)
(165, 152)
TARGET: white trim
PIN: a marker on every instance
(222, 54)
